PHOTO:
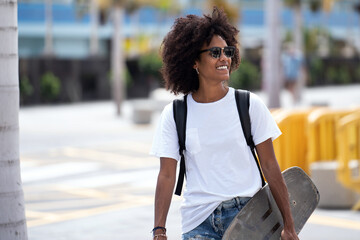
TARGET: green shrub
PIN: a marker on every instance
(343, 76)
(338, 75)
(357, 74)
(316, 69)
(50, 86)
(331, 75)
(150, 64)
(26, 89)
(127, 77)
(246, 77)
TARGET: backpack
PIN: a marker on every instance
(180, 113)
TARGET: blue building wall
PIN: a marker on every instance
(71, 32)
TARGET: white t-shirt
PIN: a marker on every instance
(219, 163)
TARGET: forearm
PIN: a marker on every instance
(277, 185)
(163, 195)
(279, 191)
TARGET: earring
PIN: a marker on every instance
(197, 70)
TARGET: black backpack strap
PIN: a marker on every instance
(180, 113)
(243, 104)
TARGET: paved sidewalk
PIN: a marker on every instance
(87, 174)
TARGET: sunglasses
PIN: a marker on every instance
(229, 51)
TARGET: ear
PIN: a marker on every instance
(195, 64)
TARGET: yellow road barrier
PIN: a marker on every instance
(322, 134)
(291, 147)
(348, 172)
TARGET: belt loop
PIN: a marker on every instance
(219, 207)
(237, 199)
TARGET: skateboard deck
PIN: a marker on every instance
(261, 219)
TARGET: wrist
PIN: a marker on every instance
(157, 231)
(289, 226)
(160, 236)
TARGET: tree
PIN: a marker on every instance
(12, 212)
(94, 40)
(90, 7)
(118, 9)
(48, 48)
(231, 10)
(271, 55)
(298, 41)
(297, 34)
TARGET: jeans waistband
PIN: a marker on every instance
(236, 201)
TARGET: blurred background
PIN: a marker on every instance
(67, 48)
(91, 94)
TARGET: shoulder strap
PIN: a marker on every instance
(180, 113)
(243, 103)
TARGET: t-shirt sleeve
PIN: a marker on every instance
(165, 142)
(263, 125)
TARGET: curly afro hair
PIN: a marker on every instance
(181, 46)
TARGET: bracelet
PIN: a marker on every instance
(158, 227)
(156, 237)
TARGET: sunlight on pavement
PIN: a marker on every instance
(334, 222)
(130, 202)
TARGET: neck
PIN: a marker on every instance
(210, 93)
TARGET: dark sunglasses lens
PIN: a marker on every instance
(215, 52)
(229, 51)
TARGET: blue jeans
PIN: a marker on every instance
(213, 228)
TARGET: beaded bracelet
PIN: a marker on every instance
(156, 237)
(158, 227)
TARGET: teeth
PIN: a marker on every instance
(222, 67)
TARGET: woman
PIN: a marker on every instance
(199, 54)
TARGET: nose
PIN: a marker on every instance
(222, 55)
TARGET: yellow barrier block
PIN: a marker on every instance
(291, 147)
(348, 172)
(309, 135)
(322, 134)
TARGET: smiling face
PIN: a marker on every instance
(213, 70)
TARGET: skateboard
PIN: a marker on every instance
(261, 219)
